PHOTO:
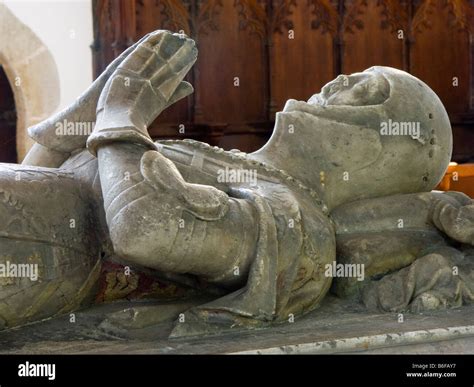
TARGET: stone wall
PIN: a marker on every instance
(32, 73)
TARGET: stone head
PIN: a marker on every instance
(370, 134)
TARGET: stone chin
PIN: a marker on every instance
(344, 141)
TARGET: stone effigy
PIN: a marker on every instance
(341, 196)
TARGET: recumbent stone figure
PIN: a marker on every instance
(334, 188)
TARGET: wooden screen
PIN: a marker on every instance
(254, 55)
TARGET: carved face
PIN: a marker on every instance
(339, 131)
(359, 89)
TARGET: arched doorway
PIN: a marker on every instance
(7, 121)
(31, 70)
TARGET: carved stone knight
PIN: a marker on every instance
(329, 187)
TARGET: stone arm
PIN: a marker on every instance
(52, 149)
(409, 236)
(155, 218)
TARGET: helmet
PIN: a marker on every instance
(376, 133)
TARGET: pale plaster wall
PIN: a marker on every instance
(45, 45)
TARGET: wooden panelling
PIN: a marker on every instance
(239, 74)
(371, 34)
(441, 52)
(302, 53)
(282, 49)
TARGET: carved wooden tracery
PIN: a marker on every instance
(331, 36)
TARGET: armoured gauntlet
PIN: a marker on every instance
(155, 218)
(144, 84)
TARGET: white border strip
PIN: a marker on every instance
(362, 343)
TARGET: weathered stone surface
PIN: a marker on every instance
(342, 189)
(336, 327)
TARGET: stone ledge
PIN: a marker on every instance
(338, 326)
(368, 343)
